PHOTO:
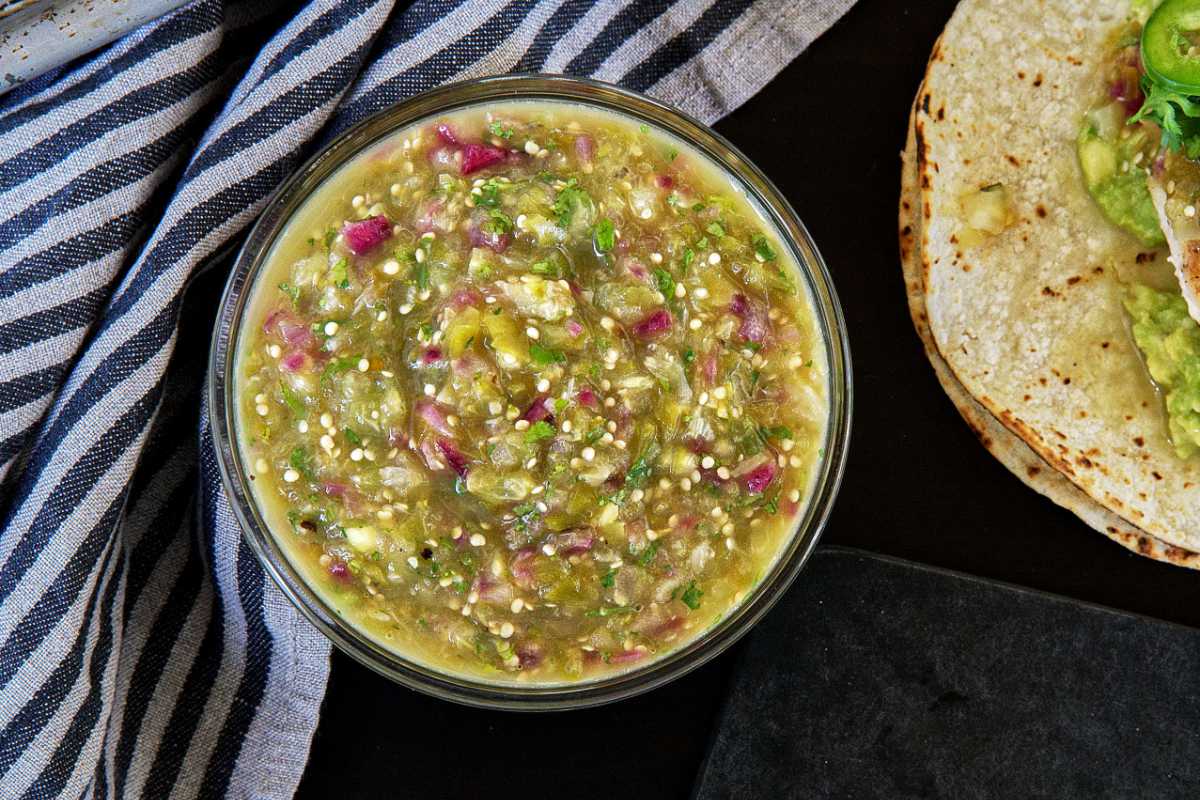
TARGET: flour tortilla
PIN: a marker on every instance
(1009, 449)
(1030, 321)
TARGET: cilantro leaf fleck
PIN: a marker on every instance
(538, 431)
(292, 400)
(544, 356)
(298, 460)
(488, 195)
(639, 471)
(1177, 114)
(291, 291)
(339, 273)
(778, 432)
(497, 223)
(421, 275)
(605, 236)
(568, 201)
(762, 248)
(691, 596)
(337, 366)
(664, 281)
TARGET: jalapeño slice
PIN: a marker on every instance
(1171, 46)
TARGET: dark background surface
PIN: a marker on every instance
(964, 689)
(828, 130)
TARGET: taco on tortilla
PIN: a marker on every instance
(1052, 251)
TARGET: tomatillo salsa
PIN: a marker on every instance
(531, 393)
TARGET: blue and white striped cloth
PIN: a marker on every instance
(142, 651)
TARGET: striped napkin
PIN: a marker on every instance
(142, 651)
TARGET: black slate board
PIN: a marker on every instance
(878, 678)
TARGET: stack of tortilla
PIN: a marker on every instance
(1025, 329)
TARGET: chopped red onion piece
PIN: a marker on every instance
(295, 334)
(757, 479)
(467, 364)
(433, 416)
(659, 321)
(447, 135)
(710, 365)
(431, 218)
(496, 242)
(294, 361)
(574, 328)
(480, 156)
(574, 543)
(491, 590)
(755, 326)
(530, 655)
(585, 147)
(521, 567)
(454, 457)
(538, 410)
(659, 626)
(464, 298)
(588, 398)
(626, 656)
(686, 522)
(273, 319)
(365, 235)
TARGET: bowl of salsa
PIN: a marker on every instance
(530, 392)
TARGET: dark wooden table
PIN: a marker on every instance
(829, 130)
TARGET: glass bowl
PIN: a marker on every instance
(461, 688)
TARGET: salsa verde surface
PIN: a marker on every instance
(530, 393)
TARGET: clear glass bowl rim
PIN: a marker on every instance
(460, 688)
